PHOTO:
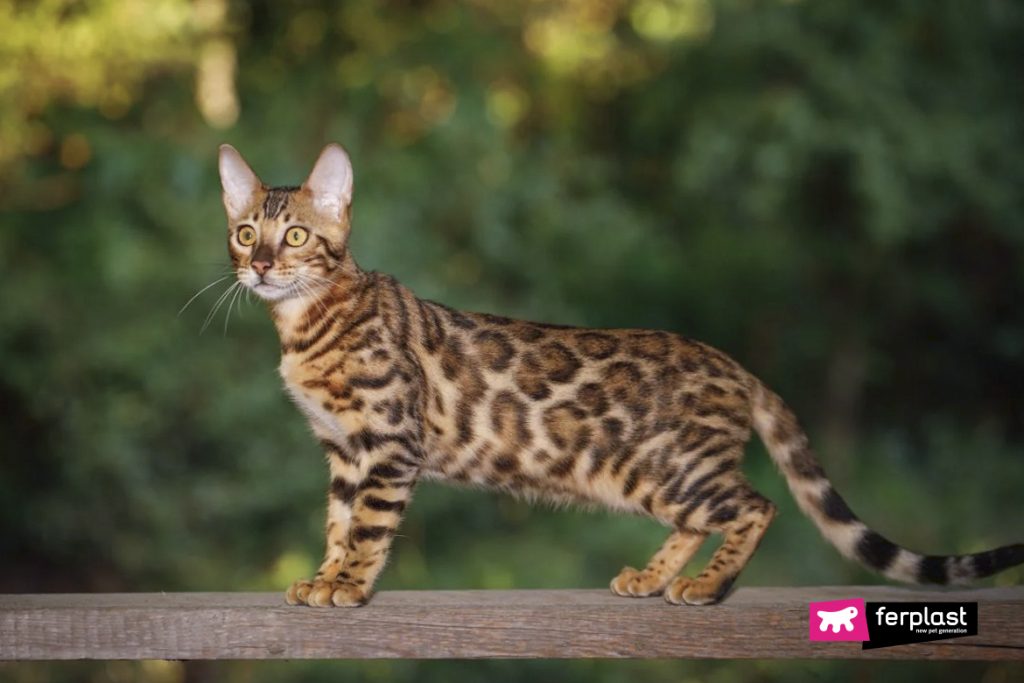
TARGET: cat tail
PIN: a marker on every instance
(787, 444)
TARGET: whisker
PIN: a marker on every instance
(304, 280)
(313, 279)
(307, 293)
(228, 314)
(317, 299)
(196, 295)
(318, 279)
(321, 278)
(217, 305)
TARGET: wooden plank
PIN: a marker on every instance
(752, 623)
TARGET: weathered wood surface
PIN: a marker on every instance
(752, 623)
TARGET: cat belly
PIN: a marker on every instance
(486, 467)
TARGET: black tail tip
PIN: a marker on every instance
(994, 561)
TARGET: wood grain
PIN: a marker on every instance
(752, 623)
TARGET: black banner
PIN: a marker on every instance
(899, 623)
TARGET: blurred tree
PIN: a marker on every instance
(91, 54)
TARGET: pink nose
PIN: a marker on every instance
(261, 267)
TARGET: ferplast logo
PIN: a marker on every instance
(838, 620)
(883, 624)
(899, 623)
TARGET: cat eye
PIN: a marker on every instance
(246, 236)
(296, 236)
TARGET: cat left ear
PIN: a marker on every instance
(239, 182)
(331, 182)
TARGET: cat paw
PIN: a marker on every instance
(700, 591)
(337, 593)
(319, 593)
(632, 583)
(298, 592)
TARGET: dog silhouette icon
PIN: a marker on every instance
(843, 617)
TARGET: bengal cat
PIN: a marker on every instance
(397, 388)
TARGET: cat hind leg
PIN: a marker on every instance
(742, 524)
(677, 550)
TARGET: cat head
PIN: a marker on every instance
(286, 241)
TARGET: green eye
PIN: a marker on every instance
(296, 236)
(246, 236)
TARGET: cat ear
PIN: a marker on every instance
(239, 182)
(331, 182)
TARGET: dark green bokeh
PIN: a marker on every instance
(829, 191)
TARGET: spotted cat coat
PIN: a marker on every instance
(397, 388)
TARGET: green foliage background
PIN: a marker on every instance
(829, 191)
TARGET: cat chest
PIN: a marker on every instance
(317, 399)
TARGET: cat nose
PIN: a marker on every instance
(261, 267)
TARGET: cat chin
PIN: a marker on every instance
(269, 292)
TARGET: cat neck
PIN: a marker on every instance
(289, 314)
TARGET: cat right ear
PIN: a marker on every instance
(331, 182)
(239, 182)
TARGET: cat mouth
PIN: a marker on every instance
(270, 290)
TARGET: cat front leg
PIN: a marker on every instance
(344, 470)
(391, 465)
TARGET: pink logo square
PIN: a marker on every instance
(835, 620)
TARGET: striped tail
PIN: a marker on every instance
(787, 444)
